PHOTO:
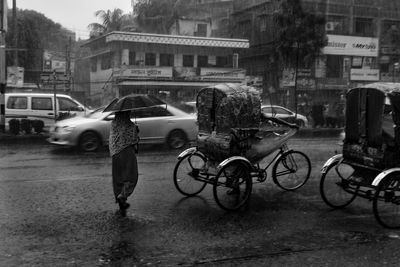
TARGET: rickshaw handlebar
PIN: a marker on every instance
(280, 121)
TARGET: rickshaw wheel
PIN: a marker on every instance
(335, 188)
(187, 174)
(386, 202)
(292, 170)
(232, 186)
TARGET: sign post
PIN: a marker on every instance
(55, 94)
(3, 29)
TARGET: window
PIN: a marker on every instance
(188, 60)
(364, 27)
(42, 103)
(132, 58)
(150, 59)
(221, 61)
(17, 102)
(106, 61)
(68, 105)
(167, 60)
(201, 30)
(334, 66)
(278, 110)
(151, 112)
(93, 64)
(262, 23)
(244, 29)
(202, 61)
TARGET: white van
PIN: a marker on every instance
(40, 106)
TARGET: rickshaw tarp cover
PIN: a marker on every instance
(368, 141)
(230, 124)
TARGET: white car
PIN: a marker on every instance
(162, 124)
(285, 114)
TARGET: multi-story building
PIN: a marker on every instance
(363, 46)
(166, 65)
(208, 18)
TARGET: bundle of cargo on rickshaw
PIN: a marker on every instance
(231, 123)
(373, 125)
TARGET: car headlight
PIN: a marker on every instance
(67, 129)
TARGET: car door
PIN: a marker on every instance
(69, 107)
(42, 108)
(153, 123)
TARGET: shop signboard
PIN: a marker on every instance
(351, 46)
(15, 76)
(147, 72)
(364, 74)
(185, 72)
(222, 73)
(288, 77)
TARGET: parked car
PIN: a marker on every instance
(163, 124)
(189, 107)
(285, 114)
(40, 106)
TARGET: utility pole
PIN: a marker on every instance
(14, 30)
(3, 81)
(55, 94)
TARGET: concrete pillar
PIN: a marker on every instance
(125, 57)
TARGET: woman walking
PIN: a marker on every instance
(123, 142)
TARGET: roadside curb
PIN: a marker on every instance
(23, 138)
(319, 132)
(41, 137)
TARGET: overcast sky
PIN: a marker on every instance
(74, 15)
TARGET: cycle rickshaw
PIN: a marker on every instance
(233, 138)
(369, 165)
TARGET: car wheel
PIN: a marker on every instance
(89, 141)
(176, 139)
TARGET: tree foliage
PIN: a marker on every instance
(113, 20)
(298, 32)
(155, 15)
(35, 32)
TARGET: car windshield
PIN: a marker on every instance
(97, 113)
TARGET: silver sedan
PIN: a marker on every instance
(162, 124)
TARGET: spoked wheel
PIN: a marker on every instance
(232, 186)
(187, 174)
(335, 188)
(386, 202)
(292, 170)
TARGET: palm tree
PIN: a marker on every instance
(111, 21)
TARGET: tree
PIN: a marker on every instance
(35, 34)
(156, 15)
(298, 32)
(300, 36)
(110, 21)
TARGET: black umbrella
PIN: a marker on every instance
(132, 102)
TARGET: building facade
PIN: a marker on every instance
(170, 66)
(363, 47)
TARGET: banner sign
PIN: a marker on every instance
(151, 72)
(222, 73)
(351, 46)
(15, 76)
(364, 74)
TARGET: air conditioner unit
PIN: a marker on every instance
(329, 26)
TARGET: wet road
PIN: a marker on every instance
(56, 209)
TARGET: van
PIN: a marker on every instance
(40, 106)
